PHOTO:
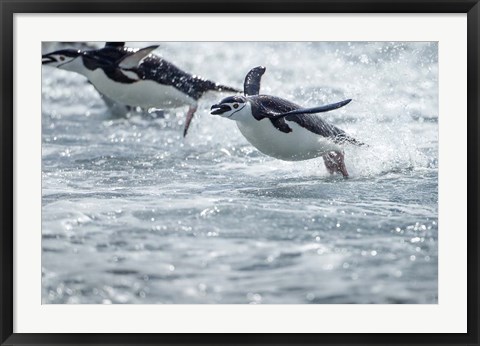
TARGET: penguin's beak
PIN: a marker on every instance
(219, 109)
(47, 59)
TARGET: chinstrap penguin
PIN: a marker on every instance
(136, 77)
(283, 129)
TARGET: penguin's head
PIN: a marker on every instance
(233, 107)
(63, 59)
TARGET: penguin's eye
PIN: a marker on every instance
(235, 105)
(62, 58)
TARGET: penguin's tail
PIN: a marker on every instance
(223, 88)
(357, 142)
(344, 138)
(205, 85)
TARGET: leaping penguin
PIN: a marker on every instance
(136, 77)
(283, 129)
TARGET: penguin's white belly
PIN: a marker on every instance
(144, 93)
(300, 144)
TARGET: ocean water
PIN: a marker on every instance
(134, 213)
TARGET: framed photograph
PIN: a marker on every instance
(246, 172)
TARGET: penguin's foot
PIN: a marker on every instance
(188, 120)
(335, 163)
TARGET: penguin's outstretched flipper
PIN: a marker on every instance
(314, 110)
(133, 60)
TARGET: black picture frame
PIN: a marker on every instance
(10, 7)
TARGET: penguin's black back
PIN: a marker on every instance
(264, 106)
(152, 68)
(163, 72)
